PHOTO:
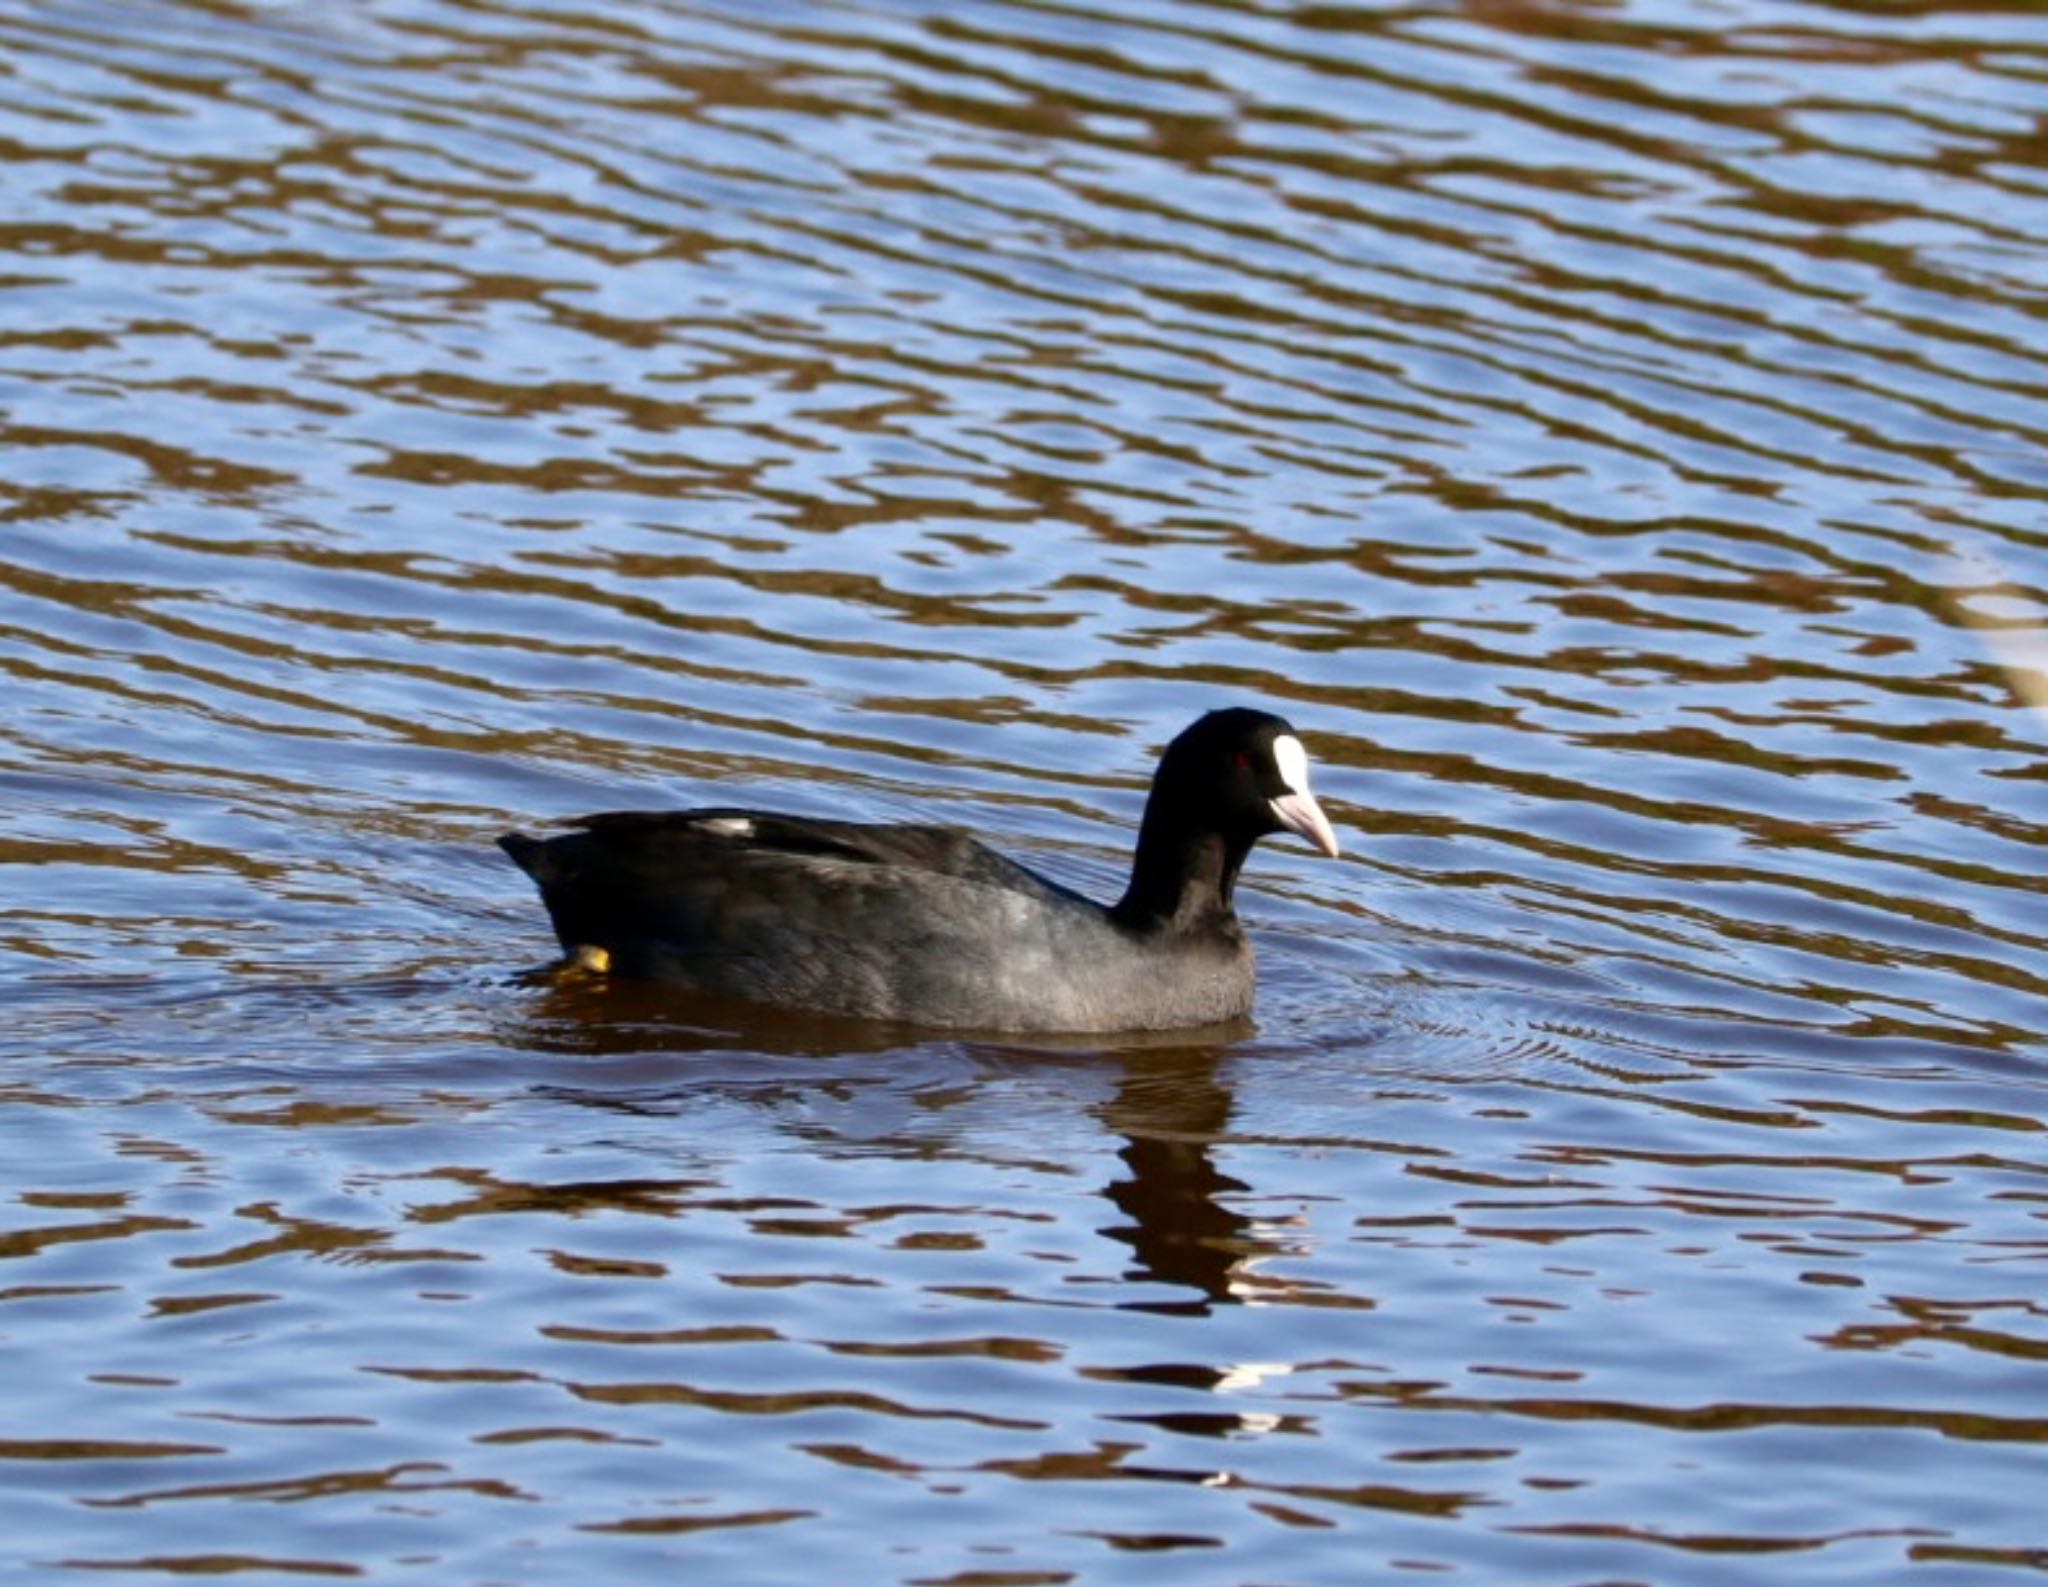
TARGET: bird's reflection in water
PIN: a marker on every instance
(1169, 1107)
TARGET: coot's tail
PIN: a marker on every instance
(529, 854)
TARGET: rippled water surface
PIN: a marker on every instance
(1613, 433)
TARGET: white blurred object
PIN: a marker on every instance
(2012, 624)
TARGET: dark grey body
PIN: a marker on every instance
(908, 923)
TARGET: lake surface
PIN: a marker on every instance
(1615, 434)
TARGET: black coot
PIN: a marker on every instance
(924, 925)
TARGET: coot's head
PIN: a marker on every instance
(1244, 774)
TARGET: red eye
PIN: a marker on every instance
(1244, 761)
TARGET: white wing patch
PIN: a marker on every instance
(727, 826)
(1292, 762)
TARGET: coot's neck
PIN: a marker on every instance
(1183, 874)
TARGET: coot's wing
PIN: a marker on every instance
(945, 851)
